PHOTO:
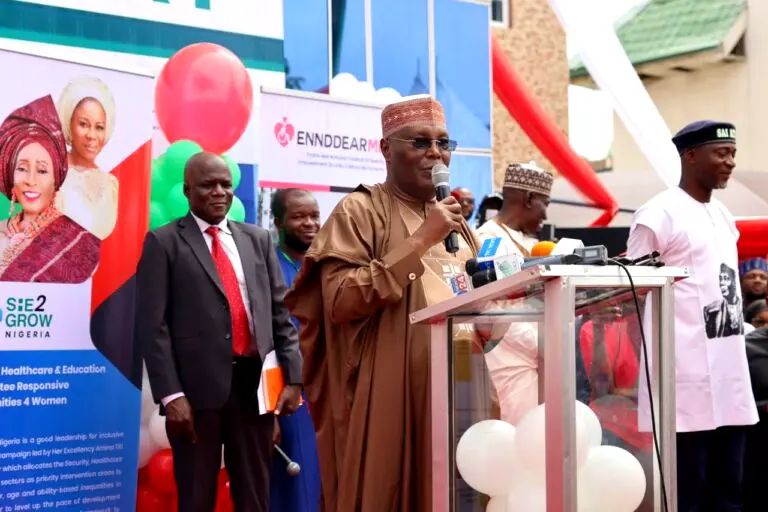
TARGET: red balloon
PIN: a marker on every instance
(753, 237)
(223, 477)
(160, 472)
(143, 478)
(520, 102)
(204, 94)
(149, 501)
(224, 496)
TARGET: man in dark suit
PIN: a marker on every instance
(210, 310)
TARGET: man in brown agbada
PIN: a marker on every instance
(378, 258)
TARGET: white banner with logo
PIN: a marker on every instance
(318, 142)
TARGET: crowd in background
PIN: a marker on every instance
(335, 301)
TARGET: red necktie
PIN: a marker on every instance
(241, 332)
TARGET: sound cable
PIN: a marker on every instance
(636, 300)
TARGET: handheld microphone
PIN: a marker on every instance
(566, 246)
(472, 267)
(483, 277)
(459, 283)
(543, 248)
(548, 253)
(565, 259)
(441, 180)
(292, 467)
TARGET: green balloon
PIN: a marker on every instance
(176, 203)
(5, 207)
(234, 169)
(157, 215)
(176, 158)
(237, 210)
(159, 186)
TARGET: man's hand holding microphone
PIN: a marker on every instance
(442, 219)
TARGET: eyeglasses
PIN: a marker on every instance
(424, 143)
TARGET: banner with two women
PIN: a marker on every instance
(75, 157)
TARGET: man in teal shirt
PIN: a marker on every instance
(297, 219)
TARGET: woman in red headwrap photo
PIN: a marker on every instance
(39, 244)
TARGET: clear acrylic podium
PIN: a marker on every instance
(568, 306)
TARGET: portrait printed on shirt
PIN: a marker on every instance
(724, 317)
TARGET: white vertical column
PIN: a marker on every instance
(368, 42)
(431, 47)
(440, 380)
(757, 69)
(560, 395)
(330, 43)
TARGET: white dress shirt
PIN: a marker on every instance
(712, 380)
(228, 244)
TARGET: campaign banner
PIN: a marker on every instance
(318, 142)
(75, 157)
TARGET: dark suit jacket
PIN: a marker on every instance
(757, 355)
(183, 322)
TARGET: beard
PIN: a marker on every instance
(751, 296)
(294, 243)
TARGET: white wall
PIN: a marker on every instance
(733, 92)
(720, 92)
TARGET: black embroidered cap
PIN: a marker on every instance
(700, 133)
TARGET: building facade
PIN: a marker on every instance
(440, 47)
(698, 59)
(533, 39)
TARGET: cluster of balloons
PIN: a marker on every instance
(156, 484)
(345, 85)
(509, 465)
(167, 192)
(203, 101)
(204, 93)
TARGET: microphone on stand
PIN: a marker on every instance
(441, 180)
(292, 467)
(483, 277)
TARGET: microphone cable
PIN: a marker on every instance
(665, 500)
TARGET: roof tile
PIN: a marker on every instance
(663, 29)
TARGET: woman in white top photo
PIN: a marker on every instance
(89, 194)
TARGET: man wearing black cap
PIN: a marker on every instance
(714, 397)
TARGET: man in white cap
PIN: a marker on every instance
(514, 361)
(526, 197)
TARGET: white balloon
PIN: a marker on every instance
(485, 457)
(146, 447)
(365, 91)
(157, 431)
(611, 480)
(387, 95)
(497, 504)
(529, 497)
(343, 85)
(591, 422)
(530, 441)
(148, 405)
